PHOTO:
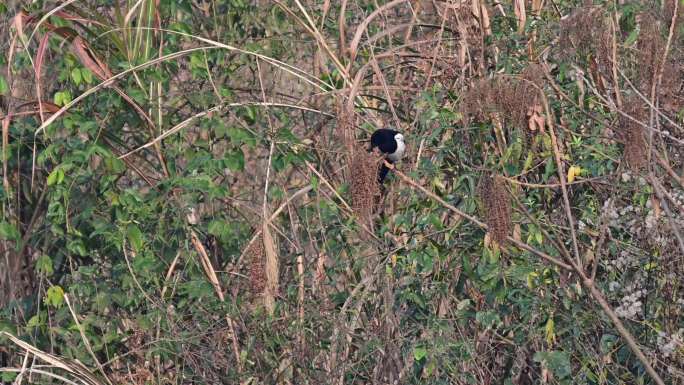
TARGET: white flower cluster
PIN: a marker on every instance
(669, 345)
(630, 305)
(623, 262)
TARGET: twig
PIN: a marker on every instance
(85, 339)
(561, 177)
(660, 192)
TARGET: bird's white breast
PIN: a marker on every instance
(399, 153)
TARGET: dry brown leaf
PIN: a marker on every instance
(656, 206)
(272, 269)
(520, 14)
(535, 120)
(537, 6)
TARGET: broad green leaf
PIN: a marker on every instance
(76, 76)
(87, 75)
(235, 160)
(419, 353)
(44, 265)
(55, 296)
(34, 321)
(55, 177)
(558, 362)
(9, 232)
(135, 237)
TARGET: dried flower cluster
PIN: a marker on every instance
(497, 206)
(586, 34)
(632, 133)
(364, 182)
(650, 49)
(506, 98)
(257, 273)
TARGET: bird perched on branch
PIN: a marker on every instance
(391, 144)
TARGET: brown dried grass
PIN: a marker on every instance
(650, 48)
(364, 182)
(586, 32)
(257, 271)
(508, 97)
(497, 207)
(632, 134)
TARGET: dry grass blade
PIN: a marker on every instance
(85, 339)
(206, 265)
(111, 80)
(40, 58)
(562, 177)
(48, 14)
(271, 267)
(189, 120)
(75, 368)
(353, 48)
(520, 14)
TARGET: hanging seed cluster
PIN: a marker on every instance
(257, 272)
(650, 51)
(633, 134)
(511, 98)
(364, 182)
(497, 207)
(585, 33)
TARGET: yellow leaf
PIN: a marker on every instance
(573, 172)
(550, 331)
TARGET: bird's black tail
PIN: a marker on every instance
(382, 173)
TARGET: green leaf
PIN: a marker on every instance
(4, 87)
(76, 76)
(8, 377)
(135, 237)
(34, 321)
(9, 232)
(558, 362)
(77, 247)
(235, 161)
(62, 98)
(633, 36)
(489, 319)
(87, 75)
(55, 177)
(419, 353)
(55, 296)
(44, 265)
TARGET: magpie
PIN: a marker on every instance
(389, 142)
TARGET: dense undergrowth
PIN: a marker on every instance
(186, 195)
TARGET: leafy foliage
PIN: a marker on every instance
(181, 188)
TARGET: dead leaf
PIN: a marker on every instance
(655, 202)
(272, 268)
(520, 14)
(535, 119)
